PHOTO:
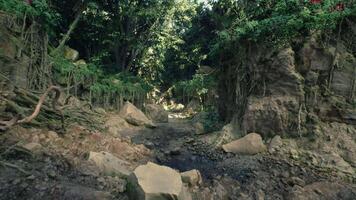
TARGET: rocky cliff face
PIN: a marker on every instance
(289, 91)
(23, 54)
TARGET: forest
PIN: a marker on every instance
(178, 99)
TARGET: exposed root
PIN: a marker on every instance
(40, 102)
(5, 125)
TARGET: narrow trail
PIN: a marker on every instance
(175, 144)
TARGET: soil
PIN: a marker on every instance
(176, 145)
(60, 170)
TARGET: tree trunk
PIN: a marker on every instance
(73, 25)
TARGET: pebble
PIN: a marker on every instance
(260, 195)
(52, 174)
(31, 177)
(296, 181)
(149, 144)
(24, 185)
(16, 181)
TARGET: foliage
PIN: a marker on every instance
(125, 85)
(274, 22)
(210, 119)
(39, 9)
(196, 88)
(133, 45)
(104, 89)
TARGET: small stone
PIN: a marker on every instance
(243, 195)
(33, 146)
(52, 174)
(296, 181)
(189, 140)
(100, 180)
(52, 135)
(260, 195)
(16, 181)
(192, 177)
(149, 144)
(24, 185)
(285, 174)
(31, 177)
(294, 154)
(275, 143)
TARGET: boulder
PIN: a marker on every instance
(192, 177)
(135, 116)
(71, 54)
(115, 124)
(155, 182)
(80, 63)
(250, 144)
(271, 115)
(109, 164)
(156, 113)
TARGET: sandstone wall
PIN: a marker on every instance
(288, 91)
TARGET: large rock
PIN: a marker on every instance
(135, 116)
(155, 182)
(115, 124)
(156, 113)
(71, 54)
(249, 144)
(272, 115)
(109, 164)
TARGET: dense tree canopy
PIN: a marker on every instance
(165, 42)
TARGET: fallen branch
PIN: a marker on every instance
(6, 164)
(4, 125)
(40, 102)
